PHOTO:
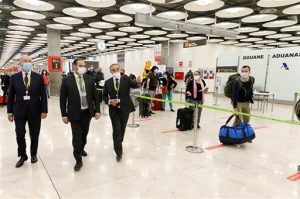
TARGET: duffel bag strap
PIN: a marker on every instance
(229, 119)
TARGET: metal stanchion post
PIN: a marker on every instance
(133, 124)
(103, 109)
(195, 148)
(216, 93)
(295, 101)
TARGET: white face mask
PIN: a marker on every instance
(117, 75)
(2, 73)
(81, 70)
(166, 76)
(245, 75)
(196, 77)
(156, 71)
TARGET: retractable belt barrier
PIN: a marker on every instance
(222, 110)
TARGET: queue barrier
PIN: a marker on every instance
(103, 113)
(223, 110)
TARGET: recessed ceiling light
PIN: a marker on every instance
(174, 15)
(97, 3)
(137, 8)
(259, 18)
(36, 5)
(102, 25)
(117, 18)
(21, 28)
(79, 12)
(234, 12)
(59, 26)
(202, 20)
(68, 20)
(28, 14)
(276, 3)
(89, 30)
(203, 5)
(155, 32)
(23, 22)
(291, 28)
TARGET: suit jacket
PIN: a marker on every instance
(70, 103)
(38, 98)
(4, 82)
(109, 92)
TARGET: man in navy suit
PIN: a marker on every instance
(27, 102)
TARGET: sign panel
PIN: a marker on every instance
(55, 64)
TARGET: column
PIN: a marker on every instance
(54, 50)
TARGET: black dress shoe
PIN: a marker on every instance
(34, 159)
(151, 112)
(119, 158)
(21, 161)
(78, 165)
(172, 110)
(84, 153)
(198, 126)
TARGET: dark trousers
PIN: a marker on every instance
(119, 123)
(34, 131)
(80, 129)
(5, 92)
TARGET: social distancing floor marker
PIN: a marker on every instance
(143, 120)
(170, 131)
(294, 177)
(215, 147)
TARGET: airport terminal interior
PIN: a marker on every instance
(162, 64)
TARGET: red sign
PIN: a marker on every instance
(180, 63)
(157, 58)
(179, 75)
(55, 64)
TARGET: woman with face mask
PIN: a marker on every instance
(152, 83)
(168, 84)
(195, 91)
(45, 75)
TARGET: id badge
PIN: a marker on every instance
(82, 94)
(26, 98)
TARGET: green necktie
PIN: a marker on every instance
(82, 89)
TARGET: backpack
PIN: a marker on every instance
(229, 84)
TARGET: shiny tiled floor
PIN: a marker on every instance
(155, 164)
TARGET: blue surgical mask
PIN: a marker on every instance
(245, 75)
(27, 67)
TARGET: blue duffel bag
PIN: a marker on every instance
(236, 135)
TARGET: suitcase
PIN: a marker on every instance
(184, 120)
(157, 105)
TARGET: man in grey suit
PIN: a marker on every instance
(116, 94)
(79, 102)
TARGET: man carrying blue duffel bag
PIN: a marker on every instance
(237, 134)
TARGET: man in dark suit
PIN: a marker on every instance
(116, 93)
(79, 102)
(27, 102)
(4, 84)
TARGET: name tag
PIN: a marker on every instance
(26, 98)
(82, 94)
